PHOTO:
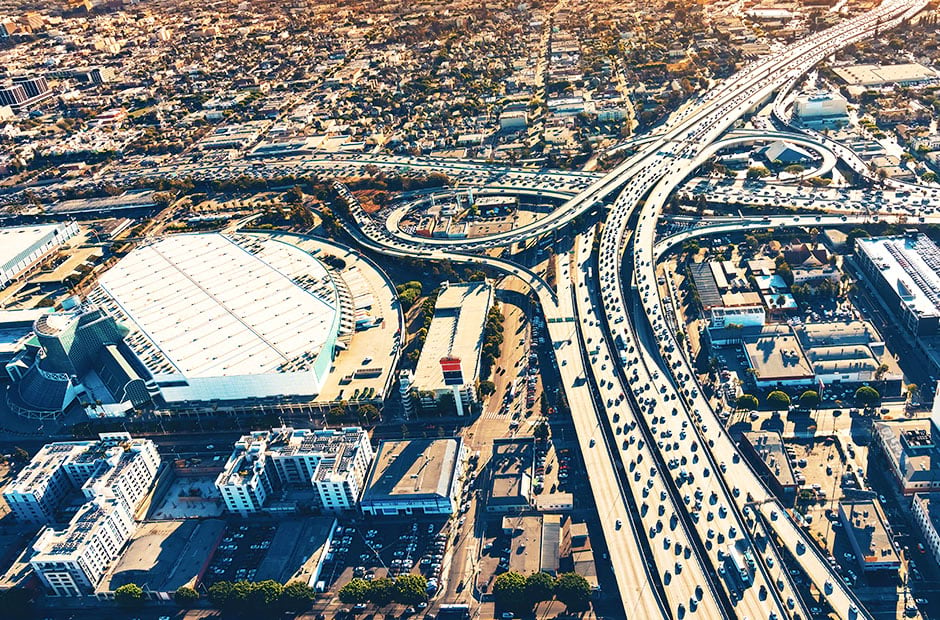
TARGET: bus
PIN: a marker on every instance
(739, 564)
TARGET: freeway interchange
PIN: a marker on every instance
(678, 505)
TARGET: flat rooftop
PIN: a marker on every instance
(777, 356)
(769, 446)
(204, 305)
(166, 555)
(511, 466)
(415, 468)
(18, 241)
(911, 266)
(869, 531)
(917, 463)
(456, 331)
(141, 199)
(876, 75)
(706, 285)
(525, 543)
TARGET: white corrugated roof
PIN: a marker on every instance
(215, 308)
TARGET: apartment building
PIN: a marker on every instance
(332, 462)
(114, 474)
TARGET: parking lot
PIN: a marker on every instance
(240, 552)
(372, 550)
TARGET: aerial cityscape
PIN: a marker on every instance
(458, 310)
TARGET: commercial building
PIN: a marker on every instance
(849, 352)
(525, 543)
(905, 271)
(776, 357)
(868, 534)
(534, 543)
(419, 476)
(77, 355)
(882, 75)
(765, 450)
(576, 548)
(910, 449)
(456, 333)
(513, 120)
(24, 247)
(786, 153)
(824, 355)
(334, 463)
(215, 317)
(509, 473)
(822, 109)
(25, 92)
(745, 316)
(926, 511)
(114, 474)
(92, 75)
(233, 136)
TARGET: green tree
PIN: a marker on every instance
(221, 594)
(539, 587)
(382, 592)
(294, 195)
(509, 591)
(747, 402)
(128, 595)
(778, 400)
(411, 589)
(541, 431)
(809, 399)
(867, 396)
(486, 388)
(574, 591)
(264, 594)
(757, 172)
(296, 597)
(368, 412)
(355, 592)
(185, 597)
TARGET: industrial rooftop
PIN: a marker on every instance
(912, 266)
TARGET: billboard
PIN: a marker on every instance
(453, 373)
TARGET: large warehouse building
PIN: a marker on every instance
(22, 248)
(219, 317)
(456, 333)
(906, 272)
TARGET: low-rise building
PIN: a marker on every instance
(23, 247)
(418, 476)
(868, 534)
(510, 475)
(910, 449)
(926, 511)
(822, 109)
(765, 450)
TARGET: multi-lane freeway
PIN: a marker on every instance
(692, 531)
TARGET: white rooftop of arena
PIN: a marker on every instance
(211, 305)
